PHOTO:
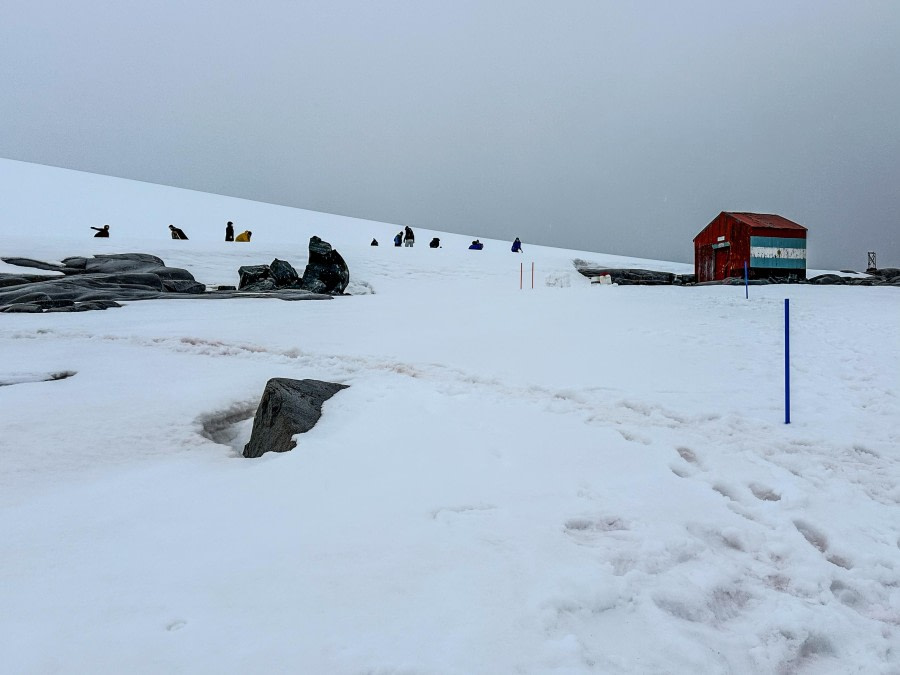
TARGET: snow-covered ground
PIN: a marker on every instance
(569, 479)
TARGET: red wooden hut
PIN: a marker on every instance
(771, 246)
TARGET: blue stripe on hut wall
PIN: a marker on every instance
(778, 242)
(780, 263)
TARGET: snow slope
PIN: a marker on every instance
(569, 479)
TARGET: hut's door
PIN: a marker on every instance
(722, 256)
(707, 258)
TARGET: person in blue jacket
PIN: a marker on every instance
(476, 246)
(398, 239)
(517, 246)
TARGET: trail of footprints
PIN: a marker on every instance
(813, 535)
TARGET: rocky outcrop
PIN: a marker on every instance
(326, 271)
(885, 277)
(287, 407)
(94, 283)
(104, 281)
(624, 277)
(888, 276)
(632, 277)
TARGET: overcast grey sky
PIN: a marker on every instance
(621, 127)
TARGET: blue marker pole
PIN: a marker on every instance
(787, 362)
(746, 282)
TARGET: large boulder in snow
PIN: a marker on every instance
(287, 407)
(326, 271)
(278, 274)
(250, 276)
(283, 273)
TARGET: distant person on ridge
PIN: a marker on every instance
(101, 231)
(517, 246)
(476, 246)
(374, 242)
(435, 243)
(244, 236)
(229, 231)
(409, 238)
(398, 239)
(177, 233)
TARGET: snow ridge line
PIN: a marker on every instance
(591, 401)
(627, 416)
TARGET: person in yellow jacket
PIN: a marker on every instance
(243, 236)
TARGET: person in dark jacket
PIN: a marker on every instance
(408, 237)
(101, 231)
(398, 239)
(229, 231)
(374, 242)
(476, 246)
(435, 243)
(517, 246)
(177, 233)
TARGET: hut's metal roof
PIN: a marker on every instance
(765, 220)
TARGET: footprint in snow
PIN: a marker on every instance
(687, 455)
(764, 493)
(588, 530)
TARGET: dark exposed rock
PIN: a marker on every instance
(278, 294)
(625, 277)
(183, 286)
(326, 271)
(75, 263)
(251, 274)
(21, 308)
(135, 257)
(102, 281)
(283, 273)
(827, 279)
(114, 265)
(886, 273)
(261, 286)
(99, 304)
(287, 407)
(86, 306)
(36, 264)
(732, 281)
(53, 304)
(19, 279)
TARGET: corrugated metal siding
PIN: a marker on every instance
(721, 248)
(768, 243)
